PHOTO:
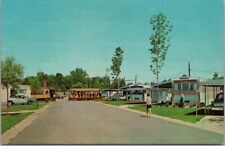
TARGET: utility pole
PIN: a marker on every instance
(189, 69)
(135, 80)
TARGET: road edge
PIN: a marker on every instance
(165, 118)
(19, 127)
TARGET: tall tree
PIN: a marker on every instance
(11, 73)
(159, 42)
(43, 78)
(79, 75)
(116, 64)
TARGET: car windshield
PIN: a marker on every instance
(219, 97)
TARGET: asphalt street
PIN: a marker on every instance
(87, 122)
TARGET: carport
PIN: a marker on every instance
(215, 84)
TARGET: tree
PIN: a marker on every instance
(79, 75)
(215, 76)
(11, 73)
(43, 78)
(116, 64)
(34, 82)
(114, 84)
(68, 82)
(159, 42)
(79, 85)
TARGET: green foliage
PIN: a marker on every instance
(78, 78)
(117, 62)
(159, 41)
(216, 76)
(100, 82)
(11, 73)
(79, 75)
(43, 78)
(115, 82)
(79, 85)
(34, 82)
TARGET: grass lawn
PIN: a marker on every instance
(173, 112)
(115, 102)
(32, 106)
(9, 121)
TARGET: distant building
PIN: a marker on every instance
(24, 89)
(3, 93)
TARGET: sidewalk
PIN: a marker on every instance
(212, 122)
(209, 123)
(13, 131)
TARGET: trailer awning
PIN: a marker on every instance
(213, 83)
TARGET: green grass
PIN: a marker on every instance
(32, 106)
(9, 121)
(115, 102)
(172, 112)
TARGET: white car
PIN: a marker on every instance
(122, 97)
(15, 100)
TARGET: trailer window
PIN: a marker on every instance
(137, 92)
(185, 86)
(179, 87)
(192, 86)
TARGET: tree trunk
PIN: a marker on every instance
(118, 86)
(7, 91)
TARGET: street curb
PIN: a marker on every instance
(18, 112)
(166, 119)
(15, 130)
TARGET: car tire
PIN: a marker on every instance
(10, 103)
(29, 102)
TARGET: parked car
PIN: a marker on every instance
(15, 100)
(117, 96)
(30, 100)
(122, 97)
(218, 103)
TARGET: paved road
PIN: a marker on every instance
(86, 122)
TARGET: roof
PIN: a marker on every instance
(86, 89)
(213, 83)
(136, 86)
(168, 84)
(109, 89)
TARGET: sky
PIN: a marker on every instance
(60, 35)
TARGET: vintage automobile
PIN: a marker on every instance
(29, 99)
(218, 103)
(16, 100)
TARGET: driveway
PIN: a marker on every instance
(86, 122)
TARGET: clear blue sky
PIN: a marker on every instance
(60, 35)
